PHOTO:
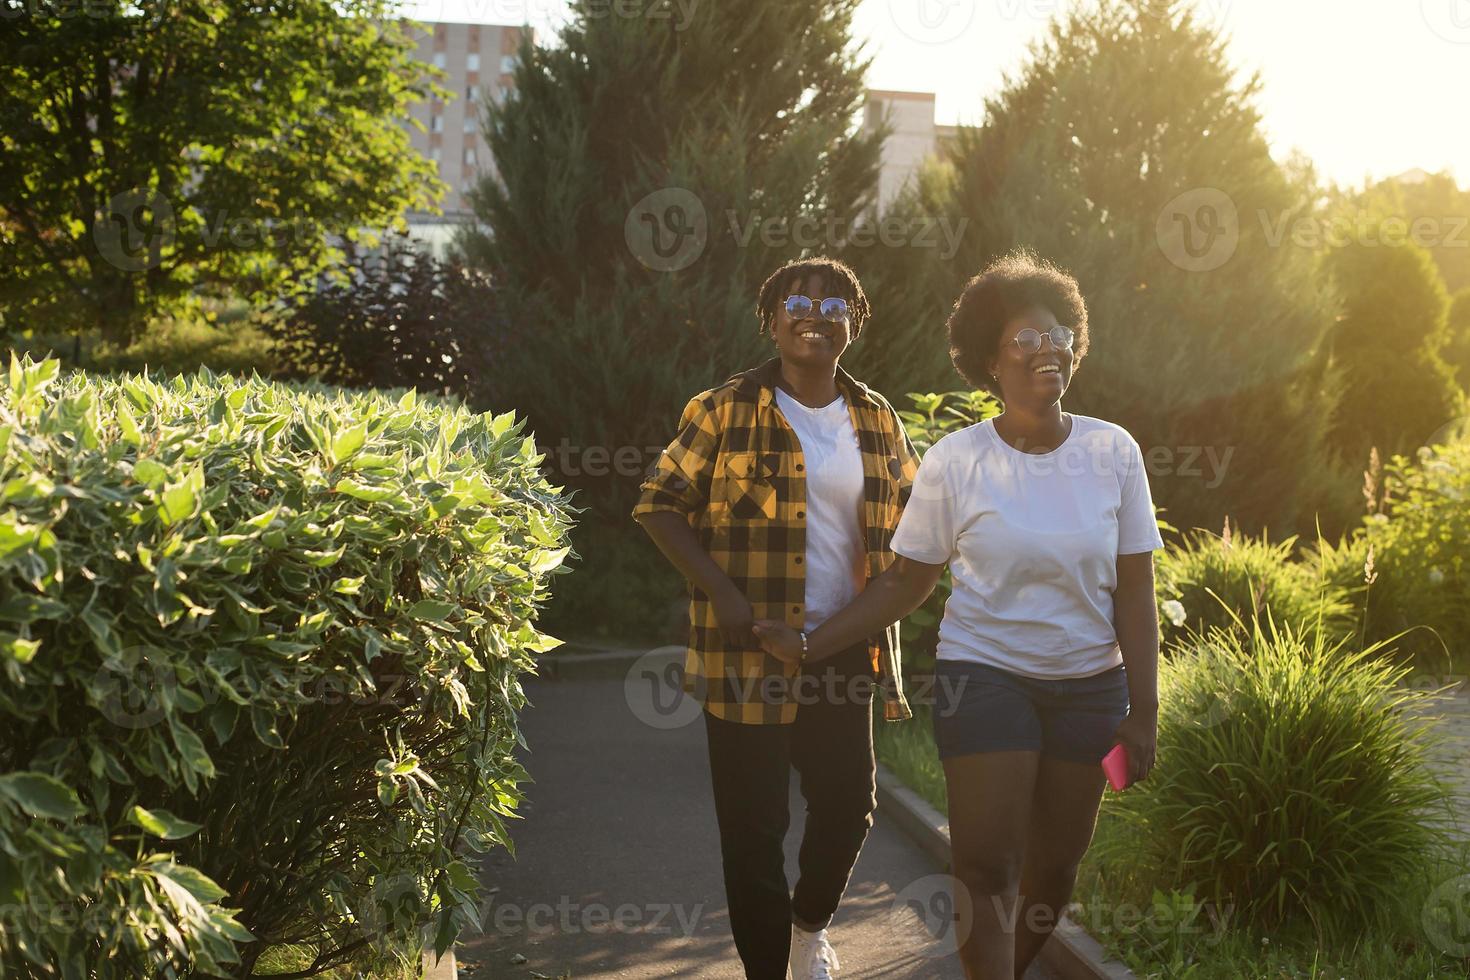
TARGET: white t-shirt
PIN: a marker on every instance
(1032, 542)
(834, 502)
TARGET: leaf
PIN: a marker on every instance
(161, 823)
(19, 649)
(41, 795)
(348, 442)
(433, 610)
(191, 748)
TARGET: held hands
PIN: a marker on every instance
(779, 640)
(1139, 734)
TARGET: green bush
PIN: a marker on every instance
(259, 658)
(1420, 538)
(1295, 786)
(1228, 580)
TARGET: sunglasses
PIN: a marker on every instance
(833, 308)
(1029, 340)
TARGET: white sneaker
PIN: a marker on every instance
(812, 956)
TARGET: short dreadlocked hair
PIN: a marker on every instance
(837, 280)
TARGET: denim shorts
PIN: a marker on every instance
(980, 708)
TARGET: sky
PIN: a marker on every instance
(1366, 88)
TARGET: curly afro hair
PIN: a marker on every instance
(1008, 287)
(837, 280)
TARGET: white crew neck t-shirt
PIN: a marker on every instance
(1032, 542)
(834, 501)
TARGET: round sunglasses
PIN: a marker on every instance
(833, 308)
(1029, 340)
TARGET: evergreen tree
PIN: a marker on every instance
(1127, 152)
(1389, 343)
(1457, 348)
(651, 174)
(739, 120)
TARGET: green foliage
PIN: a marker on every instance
(1227, 581)
(1429, 212)
(403, 318)
(1419, 534)
(738, 115)
(1457, 346)
(260, 649)
(1388, 344)
(1297, 787)
(1220, 358)
(143, 170)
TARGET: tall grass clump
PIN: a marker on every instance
(1293, 788)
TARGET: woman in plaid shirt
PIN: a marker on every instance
(777, 501)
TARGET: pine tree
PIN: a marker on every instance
(1127, 151)
(731, 117)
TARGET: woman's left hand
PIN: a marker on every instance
(779, 640)
(1139, 734)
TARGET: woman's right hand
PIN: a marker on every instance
(734, 614)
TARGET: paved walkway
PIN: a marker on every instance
(617, 874)
(1453, 757)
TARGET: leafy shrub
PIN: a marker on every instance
(1297, 785)
(1228, 580)
(259, 659)
(400, 318)
(1420, 538)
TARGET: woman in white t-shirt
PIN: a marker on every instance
(1048, 649)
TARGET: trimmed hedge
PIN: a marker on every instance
(259, 658)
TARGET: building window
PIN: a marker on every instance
(507, 64)
(471, 92)
(473, 62)
(434, 153)
(469, 124)
(439, 60)
(469, 156)
(436, 124)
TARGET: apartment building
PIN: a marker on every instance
(478, 60)
(914, 136)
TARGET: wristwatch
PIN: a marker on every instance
(803, 647)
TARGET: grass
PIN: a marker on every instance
(290, 959)
(1172, 938)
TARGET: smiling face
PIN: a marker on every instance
(813, 342)
(1035, 380)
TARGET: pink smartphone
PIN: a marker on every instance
(1115, 764)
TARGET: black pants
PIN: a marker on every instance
(831, 746)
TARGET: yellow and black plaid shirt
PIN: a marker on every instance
(736, 472)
